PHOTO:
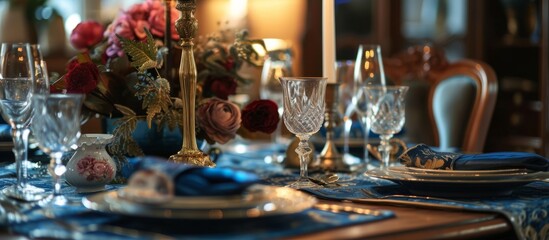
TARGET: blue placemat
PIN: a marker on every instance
(527, 208)
(254, 228)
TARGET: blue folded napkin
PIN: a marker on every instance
(421, 156)
(191, 180)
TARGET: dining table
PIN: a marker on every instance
(356, 206)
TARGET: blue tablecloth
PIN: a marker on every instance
(527, 208)
(273, 227)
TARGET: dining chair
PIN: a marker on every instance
(449, 105)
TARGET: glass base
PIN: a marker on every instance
(28, 194)
(59, 200)
(303, 183)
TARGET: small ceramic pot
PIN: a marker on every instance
(91, 167)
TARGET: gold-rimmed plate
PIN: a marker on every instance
(259, 201)
(458, 187)
(500, 174)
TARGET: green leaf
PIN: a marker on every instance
(143, 54)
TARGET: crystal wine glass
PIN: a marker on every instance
(42, 83)
(368, 70)
(303, 116)
(56, 127)
(344, 74)
(278, 64)
(16, 89)
(386, 114)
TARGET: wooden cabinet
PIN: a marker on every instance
(512, 36)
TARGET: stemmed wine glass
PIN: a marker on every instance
(278, 64)
(42, 83)
(368, 71)
(303, 116)
(17, 78)
(386, 114)
(56, 127)
(344, 73)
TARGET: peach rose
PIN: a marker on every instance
(219, 119)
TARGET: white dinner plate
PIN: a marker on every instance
(456, 186)
(259, 201)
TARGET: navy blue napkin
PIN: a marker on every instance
(421, 156)
(194, 181)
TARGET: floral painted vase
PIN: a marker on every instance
(91, 167)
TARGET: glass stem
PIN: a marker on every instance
(21, 142)
(347, 124)
(385, 149)
(366, 125)
(58, 169)
(303, 150)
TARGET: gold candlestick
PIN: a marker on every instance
(187, 27)
(330, 159)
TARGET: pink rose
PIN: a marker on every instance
(94, 169)
(86, 34)
(101, 170)
(157, 21)
(84, 165)
(131, 24)
(219, 119)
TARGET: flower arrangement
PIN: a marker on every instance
(119, 69)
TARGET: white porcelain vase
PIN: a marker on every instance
(91, 167)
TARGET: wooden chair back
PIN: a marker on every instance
(430, 66)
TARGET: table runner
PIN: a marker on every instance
(254, 228)
(527, 209)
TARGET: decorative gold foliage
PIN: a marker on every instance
(156, 97)
(123, 143)
(143, 54)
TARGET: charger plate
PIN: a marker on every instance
(259, 201)
(466, 185)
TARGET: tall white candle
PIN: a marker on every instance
(328, 40)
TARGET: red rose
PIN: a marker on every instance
(261, 115)
(220, 87)
(229, 64)
(81, 77)
(86, 34)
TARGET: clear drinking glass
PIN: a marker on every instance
(303, 116)
(278, 64)
(56, 127)
(16, 89)
(386, 107)
(42, 82)
(368, 71)
(344, 74)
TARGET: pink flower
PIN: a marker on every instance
(94, 169)
(131, 24)
(86, 34)
(219, 119)
(157, 21)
